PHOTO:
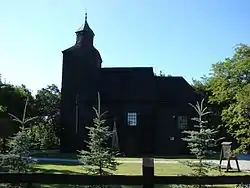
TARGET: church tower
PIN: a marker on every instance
(80, 77)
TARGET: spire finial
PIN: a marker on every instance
(86, 15)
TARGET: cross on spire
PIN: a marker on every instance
(85, 27)
(86, 15)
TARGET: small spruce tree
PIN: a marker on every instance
(99, 159)
(17, 159)
(201, 140)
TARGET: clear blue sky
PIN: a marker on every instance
(180, 37)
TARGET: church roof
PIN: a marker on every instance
(127, 83)
(80, 32)
(85, 27)
(173, 89)
(140, 84)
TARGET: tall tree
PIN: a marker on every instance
(46, 130)
(229, 84)
(13, 99)
(48, 105)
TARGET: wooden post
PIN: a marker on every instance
(148, 172)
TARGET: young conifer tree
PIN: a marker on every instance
(99, 159)
(201, 140)
(17, 159)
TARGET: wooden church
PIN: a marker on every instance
(150, 112)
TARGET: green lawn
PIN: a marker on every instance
(74, 156)
(129, 169)
(126, 169)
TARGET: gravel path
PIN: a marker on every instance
(244, 164)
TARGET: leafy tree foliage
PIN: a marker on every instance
(203, 87)
(100, 157)
(44, 136)
(46, 130)
(229, 84)
(45, 105)
(13, 98)
(48, 106)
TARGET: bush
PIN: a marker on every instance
(44, 136)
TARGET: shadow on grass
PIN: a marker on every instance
(232, 171)
(74, 156)
(58, 163)
(56, 155)
(55, 171)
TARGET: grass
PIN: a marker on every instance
(128, 169)
(125, 168)
(74, 156)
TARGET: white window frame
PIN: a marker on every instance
(182, 122)
(132, 119)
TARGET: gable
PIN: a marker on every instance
(175, 90)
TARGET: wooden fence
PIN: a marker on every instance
(148, 179)
(41, 178)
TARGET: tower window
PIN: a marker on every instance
(132, 118)
(182, 122)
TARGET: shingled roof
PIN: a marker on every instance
(127, 84)
(174, 89)
(140, 84)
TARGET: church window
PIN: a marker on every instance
(182, 122)
(132, 118)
